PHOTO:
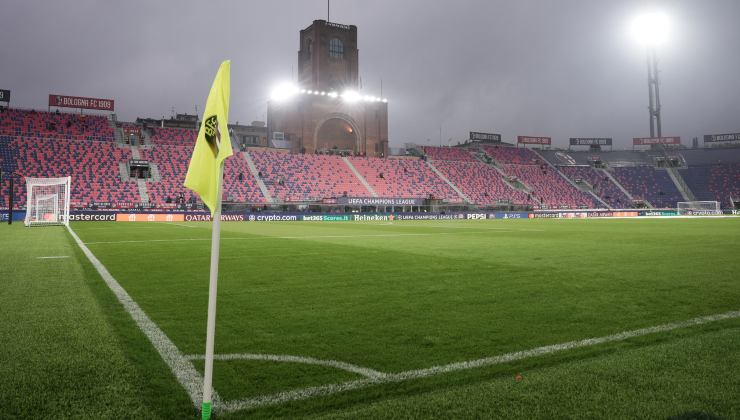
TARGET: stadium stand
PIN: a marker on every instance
(239, 183)
(601, 184)
(511, 155)
(43, 144)
(648, 183)
(172, 163)
(483, 184)
(449, 153)
(410, 178)
(549, 187)
(92, 165)
(294, 178)
(57, 125)
(7, 166)
(173, 136)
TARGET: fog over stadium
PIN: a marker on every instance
(561, 69)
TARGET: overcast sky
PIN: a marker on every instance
(547, 68)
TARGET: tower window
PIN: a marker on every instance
(336, 48)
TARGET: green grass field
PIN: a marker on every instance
(387, 300)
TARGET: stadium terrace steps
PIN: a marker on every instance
(681, 185)
(306, 177)
(601, 185)
(143, 193)
(409, 178)
(445, 179)
(647, 183)
(614, 180)
(56, 125)
(359, 177)
(714, 182)
(481, 183)
(93, 166)
(593, 196)
(255, 173)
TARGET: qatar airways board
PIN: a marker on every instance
(81, 102)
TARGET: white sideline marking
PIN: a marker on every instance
(252, 238)
(324, 390)
(186, 226)
(53, 257)
(366, 372)
(181, 367)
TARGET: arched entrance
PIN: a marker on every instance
(337, 132)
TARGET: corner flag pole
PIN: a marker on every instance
(212, 292)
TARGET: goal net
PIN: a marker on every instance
(698, 208)
(47, 201)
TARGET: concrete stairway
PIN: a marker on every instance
(681, 185)
(359, 176)
(255, 174)
(445, 179)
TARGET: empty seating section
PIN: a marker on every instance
(92, 165)
(172, 163)
(717, 182)
(449, 153)
(56, 125)
(7, 165)
(483, 184)
(403, 178)
(725, 182)
(648, 183)
(173, 136)
(513, 155)
(239, 184)
(601, 184)
(306, 177)
(549, 187)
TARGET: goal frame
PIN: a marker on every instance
(698, 208)
(59, 205)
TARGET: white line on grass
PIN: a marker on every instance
(330, 389)
(181, 367)
(366, 372)
(185, 226)
(53, 257)
(252, 238)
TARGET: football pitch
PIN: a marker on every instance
(496, 318)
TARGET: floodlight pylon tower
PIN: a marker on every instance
(654, 92)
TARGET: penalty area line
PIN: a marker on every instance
(330, 389)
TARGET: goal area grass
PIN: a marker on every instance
(304, 307)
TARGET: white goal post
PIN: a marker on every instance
(47, 201)
(698, 208)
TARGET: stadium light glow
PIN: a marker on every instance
(351, 96)
(651, 28)
(284, 91)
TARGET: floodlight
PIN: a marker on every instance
(332, 94)
(351, 96)
(385, 101)
(651, 28)
(284, 91)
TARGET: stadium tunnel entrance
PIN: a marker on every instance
(338, 134)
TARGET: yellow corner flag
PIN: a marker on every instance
(213, 145)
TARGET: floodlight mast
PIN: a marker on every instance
(651, 30)
(654, 92)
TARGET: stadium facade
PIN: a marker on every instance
(319, 120)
